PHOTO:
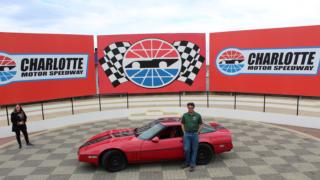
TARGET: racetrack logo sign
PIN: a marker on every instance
(288, 61)
(33, 67)
(231, 61)
(7, 68)
(151, 63)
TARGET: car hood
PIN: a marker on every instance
(111, 136)
(115, 133)
(219, 127)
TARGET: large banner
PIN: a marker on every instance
(270, 61)
(37, 67)
(150, 63)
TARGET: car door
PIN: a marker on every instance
(163, 148)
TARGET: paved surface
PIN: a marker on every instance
(260, 152)
(310, 131)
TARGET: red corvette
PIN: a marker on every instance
(157, 141)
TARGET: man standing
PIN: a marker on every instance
(191, 126)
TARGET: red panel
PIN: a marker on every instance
(295, 37)
(105, 84)
(20, 43)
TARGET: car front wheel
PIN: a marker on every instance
(113, 161)
(205, 154)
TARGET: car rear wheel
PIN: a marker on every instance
(205, 154)
(114, 160)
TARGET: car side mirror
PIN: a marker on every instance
(155, 139)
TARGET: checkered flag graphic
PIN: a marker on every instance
(111, 63)
(191, 61)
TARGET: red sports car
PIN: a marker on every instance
(157, 141)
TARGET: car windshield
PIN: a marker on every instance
(150, 132)
(141, 129)
(207, 128)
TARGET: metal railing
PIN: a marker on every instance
(256, 102)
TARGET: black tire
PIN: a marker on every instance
(205, 154)
(113, 160)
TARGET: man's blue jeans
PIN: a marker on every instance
(190, 147)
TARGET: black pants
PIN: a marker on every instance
(25, 134)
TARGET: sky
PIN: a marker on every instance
(153, 16)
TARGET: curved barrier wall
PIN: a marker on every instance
(57, 72)
(304, 106)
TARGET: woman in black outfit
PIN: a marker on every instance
(19, 119)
